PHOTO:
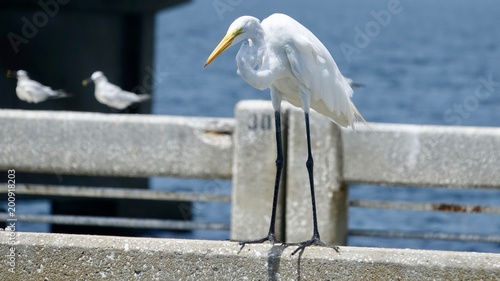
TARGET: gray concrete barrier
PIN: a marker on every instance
(98, 144)
(254, 172)
(422, 155)
(86, 257)
(387, 154)
(244, 149)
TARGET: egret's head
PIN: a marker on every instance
(242, 28)
(96, 76)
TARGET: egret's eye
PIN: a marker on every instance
(238, 31)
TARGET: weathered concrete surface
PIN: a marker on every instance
(254, 171)
(422, 155)
(331, 193)
(84, 257)
(115, 144)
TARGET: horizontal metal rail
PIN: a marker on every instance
(112, 193)
(426, 235)
(425, 206)
(117, 222)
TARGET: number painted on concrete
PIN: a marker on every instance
(260, 122)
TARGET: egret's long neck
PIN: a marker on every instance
(258, 40)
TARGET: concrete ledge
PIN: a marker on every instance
(84, 257)
(422, 155)
(98, 144)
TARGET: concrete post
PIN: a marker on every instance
(331, 193)
(254, 171)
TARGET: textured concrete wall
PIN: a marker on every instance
(115, 144)
(331, 193)
(422, 155)
(254, 171)
(85, 257)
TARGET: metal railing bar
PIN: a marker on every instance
(425, 206)
(117, 222)
(426, 235)
(113, 193)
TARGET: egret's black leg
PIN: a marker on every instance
(279, 167)
(315, 240)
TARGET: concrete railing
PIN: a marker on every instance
(87, 257)
(244, 150)
(115, 144)
(419, 155)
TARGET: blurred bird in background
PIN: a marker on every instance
(112, 95)
(31, 91)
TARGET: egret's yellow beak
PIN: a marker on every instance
(223, 45)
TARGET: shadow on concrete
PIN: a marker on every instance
(298, 264)
(273, 261)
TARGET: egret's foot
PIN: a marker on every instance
(312, 241)
(271, 238)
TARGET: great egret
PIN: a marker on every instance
(31, 91)
(297, 67)
(249, 54)
(112, 95)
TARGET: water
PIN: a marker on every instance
(418, 67)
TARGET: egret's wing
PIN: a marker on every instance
(314, 67)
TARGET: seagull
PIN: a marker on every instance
(31, 91)
(112, 95)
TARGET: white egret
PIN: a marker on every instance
(112, 95)
(31, 91)
(297, 67)
(248, 53)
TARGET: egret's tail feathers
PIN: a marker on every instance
(358, 121)
(60, 94)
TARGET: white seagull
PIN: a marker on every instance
(112, 95)
(31, 91)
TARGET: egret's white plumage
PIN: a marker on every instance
(112, 95)
(249, 53)
(293, 63)
(284, 56)
(31, 91)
